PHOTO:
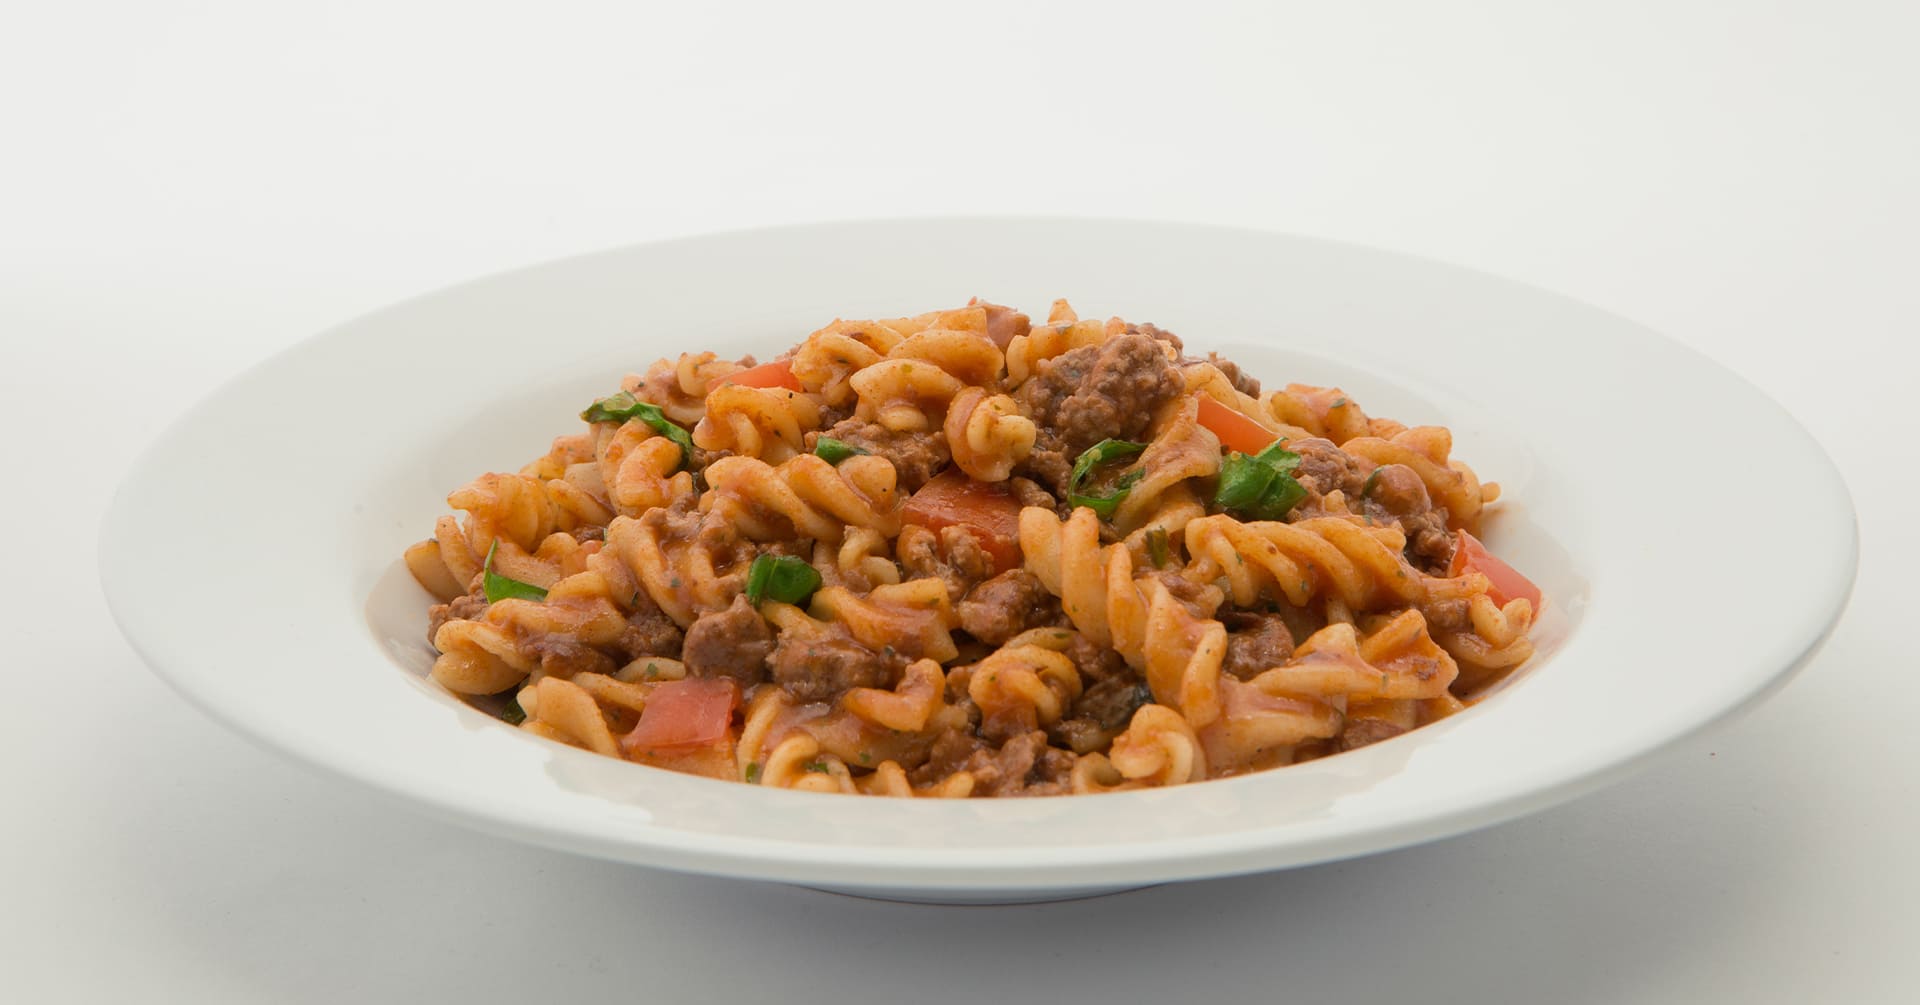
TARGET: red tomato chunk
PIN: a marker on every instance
(1469, 555)
(1236, 431)
(986, 509)
(684, 713)
(778, 373)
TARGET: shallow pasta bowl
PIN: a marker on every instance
(252, 555)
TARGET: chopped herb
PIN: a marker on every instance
(1338, 403)
(1101, 453)
(513, 714)
(866, 757)
(1260, 487)
(1367, 487)
(500, 587)
(1157, 551)
(653, 671)
(834, 451)
(624, 407)
(753, 773)
(780, 577)
(1094, 456)
(818, 768)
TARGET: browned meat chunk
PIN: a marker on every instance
(1005, 606)
(820, 666)
(1202, 599)
(1397, 490)
(1361, 732)
(1023, 766)
(1110, 390)
(1028, 492)
(916, 456)
(1101, 713)
(1242, 381)
(949, 753)
(1096, 663)
(1325, 468)
(1446, 615)
(731, 643)
(952, 555)
(650, 632)
(1429, 542)
(1394, 493)
(1255, 642)
(683, 520)
(561, 656)
(1159, 334)
(464, 608)
(1049, 464)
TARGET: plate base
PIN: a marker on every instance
(975, 898)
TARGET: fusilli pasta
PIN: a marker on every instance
(960, 554)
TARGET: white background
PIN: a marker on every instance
(190, 187)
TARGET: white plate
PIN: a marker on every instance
(1696, 544)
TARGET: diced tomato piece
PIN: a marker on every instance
(778, 373)
(1469, 555)
(987, 509)
(680, 714)
(1236, 431)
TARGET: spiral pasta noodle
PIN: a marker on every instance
(959, 554)
(806, 496)
(922, 374)
(987, 434)
(1427, 450)
(768, 423)
(1326, 412)
(1360, 566)
(679, 386)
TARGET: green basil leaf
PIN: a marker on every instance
(1278, 457)
(1100, 453)
(1260, 487)
(753, 773)
(834, 451)
(1094, 456)
(784, 578)
(500, 587)
(1105, 505)
(818, 767)
(513, 714)
(1243, 480)
(624, 407)
(1281, 497)
(1157, 551)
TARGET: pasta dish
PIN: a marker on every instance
(965, 554)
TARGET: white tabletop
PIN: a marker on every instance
(191, 189)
